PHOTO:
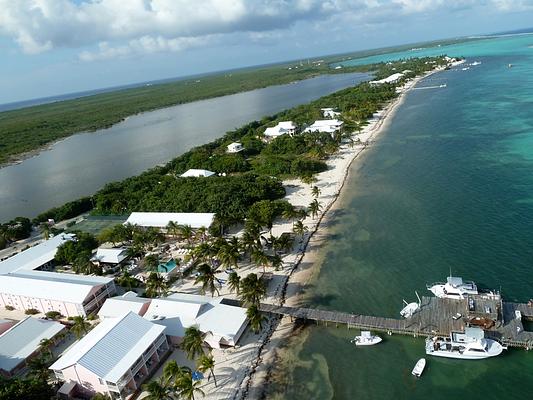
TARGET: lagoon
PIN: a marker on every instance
(81, 164)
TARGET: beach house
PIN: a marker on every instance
(162, 219)
(26, 283)
(330, 113)
(197, 173)
(116, 306)
(282, 128)
(390, 79)
(114, 358)
(222, 324)
(22, 341)
(235, 147)
(325, 126)
(110, 258)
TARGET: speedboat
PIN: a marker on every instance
(410, 308)
(366, 339)
(419, 367)
(454, 288)
(470, 345)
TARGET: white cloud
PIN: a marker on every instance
(119, 28)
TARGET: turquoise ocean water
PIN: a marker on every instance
(448, 185)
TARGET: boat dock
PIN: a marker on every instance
(436, 317)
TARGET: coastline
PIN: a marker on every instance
(305, 266)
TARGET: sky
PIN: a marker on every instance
(51, 47)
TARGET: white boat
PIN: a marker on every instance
(419, 367)
(470, 345)
(366, 339)
(476, 63)
(410, 308)
(454, 288)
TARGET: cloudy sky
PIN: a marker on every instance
(50, 47)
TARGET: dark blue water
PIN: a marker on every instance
(448, 185)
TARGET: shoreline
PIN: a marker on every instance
(304, 268)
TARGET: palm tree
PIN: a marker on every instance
(308, 179)
(260, 258)
(187, 387)
(127, 281)
(207, 278)
(284, 243)
(172, 371)
(229, 254)
(156, 285)
(193, 342)
(204, 252)
(81, 326)
(151, 262)
(253, 289)
(173, 228)
(315, 207)
(299, 228)
(255, 317)
(186, 233)
(45, 346)
(201, 233)
(249, 243)
(158, 390)
(276, 262)
(45, 230)
(207, 363)
(39, 367)
(234, 281)
(315, 191)
(290, 213)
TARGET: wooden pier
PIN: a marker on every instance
(436, 316)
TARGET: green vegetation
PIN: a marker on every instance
(16, 229)
(25, 389)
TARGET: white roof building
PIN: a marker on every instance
(325, 125)
(282, 128)
(390, 79)
(110, 256)
(330, 112)
(115, 357)
(197, 173)
(23, 340)
(223, 324)
(161, 220)
(116, 306)
(35, 256)
(235, 147)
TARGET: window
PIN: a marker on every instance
(101, 381)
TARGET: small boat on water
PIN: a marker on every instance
(470, 345)
(419, 367)
(366, 339)
(454, 288)
(410, 308)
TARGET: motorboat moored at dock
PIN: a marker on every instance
(470, 345)
(366, 339)
(454, 288)
(419, 367)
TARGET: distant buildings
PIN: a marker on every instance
(235, 147)
(22, 341)
(25, 283)
(197, 173)
(282, 128)
(330, 113)
(390, 79)
(114, 358)
(161, 219)
(326, 126)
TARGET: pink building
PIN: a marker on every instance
(114, 358)
(25, 283)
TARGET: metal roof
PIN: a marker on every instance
(161, 219)
(112, 347)
(196, 173)
(35, 256)
(51, 285)
(110, 256)
(21, 340)
(117, 306)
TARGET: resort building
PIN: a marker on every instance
(114, 358)
(197, 173)
(161, 220)
(390, 79)
(330, 113)
(282, 128)
(112, 256)
(235, 147)
(25, 283)
(116, 306)
(326, 126)
(22, 341)
(223, 324)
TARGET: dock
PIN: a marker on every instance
(500, 320)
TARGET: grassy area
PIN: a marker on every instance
(95, 224)
(33, 127)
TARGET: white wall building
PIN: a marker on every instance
(114, 358)
(23, 285)
(110, 255)
(161, 219)
(325, 125)
(390, 79)
(330, 113)
(116, 306)
(282, 128)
